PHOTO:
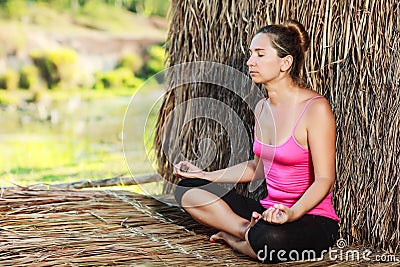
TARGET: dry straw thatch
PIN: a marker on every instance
(109, 228)
(354, 61)
(101, 228)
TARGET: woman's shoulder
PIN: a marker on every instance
(314, 99)
(318, 109)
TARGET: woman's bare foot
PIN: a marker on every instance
(222, 237)
(239, 244)
(218, 237)
(236, 243)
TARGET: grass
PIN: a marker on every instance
(48, 160)
(107, 18)
(16, 96)
(94, 17)
(85, 144)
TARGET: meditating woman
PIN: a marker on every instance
(294, 147)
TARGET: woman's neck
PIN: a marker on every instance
(282, 92)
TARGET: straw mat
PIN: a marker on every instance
(108, 228)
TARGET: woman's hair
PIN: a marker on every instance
(290, 38)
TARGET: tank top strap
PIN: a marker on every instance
(302, 112)
(262, 107)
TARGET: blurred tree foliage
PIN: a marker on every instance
(155, 63)
(56, 67)
(15, 8)
(28, 77)
(9, 80)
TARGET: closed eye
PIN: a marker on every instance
(258, 54)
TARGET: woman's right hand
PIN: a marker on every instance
(185, 169)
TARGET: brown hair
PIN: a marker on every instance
(290, 38)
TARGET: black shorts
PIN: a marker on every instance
(303, 239)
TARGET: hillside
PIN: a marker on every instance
(99, 38)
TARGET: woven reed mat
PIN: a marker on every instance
(107, 228)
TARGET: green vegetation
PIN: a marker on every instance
(28, 77)
(46, 136)
(103, 17)
(7, 98)
(153, 7)
(47, 160)
(14, 9)
(131, 61)
(57, 67)
(120, 77)
(19, 8)
(156, 61)
(84, 144)
(9, 80)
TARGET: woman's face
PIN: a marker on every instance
(264, 63)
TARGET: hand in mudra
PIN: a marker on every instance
(278, 214)
(185, 169)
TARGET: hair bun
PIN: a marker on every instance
(304, 38)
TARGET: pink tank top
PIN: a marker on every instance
(289, 172)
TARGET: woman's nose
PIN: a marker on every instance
(250, 61)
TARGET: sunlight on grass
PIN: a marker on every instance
(70, 134)
(42, 152)
(47, 159)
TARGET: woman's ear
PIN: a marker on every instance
(287, 62)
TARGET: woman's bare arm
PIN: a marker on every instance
(321, 137)
(243, 172)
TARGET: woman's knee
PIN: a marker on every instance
(186, 185)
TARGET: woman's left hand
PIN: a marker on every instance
(278, 214)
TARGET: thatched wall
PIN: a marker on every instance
(354, 61)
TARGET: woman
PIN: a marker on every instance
(294, 151)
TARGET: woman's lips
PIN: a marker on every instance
(253, 72)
